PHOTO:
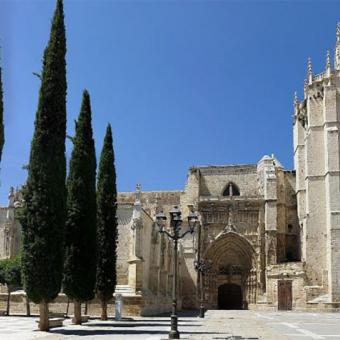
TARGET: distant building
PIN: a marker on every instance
(272, 235)
(10, 228)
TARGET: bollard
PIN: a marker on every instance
(118, 307)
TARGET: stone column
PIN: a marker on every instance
(268, 180)
(135, 274)
(332, 184)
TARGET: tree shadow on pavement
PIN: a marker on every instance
(116, 324)
(166, 319)
(87, 332)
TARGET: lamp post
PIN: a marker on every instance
(175, 234)
(203, 267)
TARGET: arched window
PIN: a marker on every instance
(231, 189)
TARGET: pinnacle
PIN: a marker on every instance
(328, 60)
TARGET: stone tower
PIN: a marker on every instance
(317, 164)
(10, 228)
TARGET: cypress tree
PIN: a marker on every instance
(106, 224)
(80, 234)
(2, 133)
(44, 210)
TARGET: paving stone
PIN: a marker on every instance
(218, 325)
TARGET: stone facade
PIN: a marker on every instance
(144, 256)
(317, 163)
(248, 223)
(270, 235)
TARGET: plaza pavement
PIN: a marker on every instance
(216, 325)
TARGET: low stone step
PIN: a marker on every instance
(124, 290)
(54, 322)
(84, 319)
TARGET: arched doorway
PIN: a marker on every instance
(232, 282)
(230, 296)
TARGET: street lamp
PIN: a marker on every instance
(203, 267)
(175, 234)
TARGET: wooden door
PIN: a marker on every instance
(284, 295)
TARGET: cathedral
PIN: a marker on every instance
(271, 236)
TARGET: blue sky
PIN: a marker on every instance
(182, 82)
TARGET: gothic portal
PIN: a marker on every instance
(228, 282)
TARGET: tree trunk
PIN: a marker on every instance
(8, 300)
(43, 321)
(77, 312)
(28, 308)
(104, 309)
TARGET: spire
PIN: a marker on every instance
(328, 65)
(138, 194)
(10, 213)
(11, 197)
(328, 61)
(337, 48)
(309, 71)
(137, 207)
(296, 102)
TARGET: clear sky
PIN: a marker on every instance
(182, 82)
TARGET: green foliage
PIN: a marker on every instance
(10, 272)
(106, 220)
(2, 133)
(80, 234)
(43, 217)
(3, 272)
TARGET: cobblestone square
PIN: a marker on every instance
(217, 325)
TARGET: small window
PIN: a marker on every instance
(231, 190)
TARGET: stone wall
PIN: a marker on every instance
(213, 179)
(124, 213)
(153, 199)
(132, 305)
(144, 257)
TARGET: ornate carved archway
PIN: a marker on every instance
(233, 259)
